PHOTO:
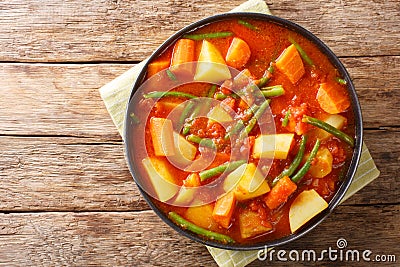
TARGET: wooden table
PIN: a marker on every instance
(67, 197)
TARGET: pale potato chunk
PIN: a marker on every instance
(185, 196)
(247, 182)
(322, 163)
(185, 152)
(211, 66)
(273, 146)
(219, 114)
(306, 205)
(160, 178)
(232, 180)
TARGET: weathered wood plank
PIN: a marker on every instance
(64, 100)
(60, 151)
(348, 27)
(79, 174)
(65, 174)
(56, 100)
(385, 150)
(104, 30)
(93, 239)
(377, 88)
(141, 239)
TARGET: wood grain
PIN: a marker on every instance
(105, 30)
(65, 174)
(67, 197)
(56, 100)
(141, 239)
(63, 99)
(377, 89)
(80, 174)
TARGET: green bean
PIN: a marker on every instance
(234, 95)
(273, 91)
(235, 129)
(302, 53)
(188, 124)
(253, 109)
(134, 118)
(186, 111)
(271, 68)
(211, 92)
(194, 138)
(340, 81)
(304, 169)
(295, 163)
(186, 129)
(197, 109)
(263, 81)
(229, 166)
(329, 128)
(159, 94)
(342, 173)
(211, 35)
(198, 230)
(247, 25)
(220, 96)
(267, 76)
(240, 123)
(201, 141)
(171, 75)
(285, 120)
(254, 119)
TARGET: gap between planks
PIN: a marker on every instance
(129, 62)
(5, 212)
(119, 141)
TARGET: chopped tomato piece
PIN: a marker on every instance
(295, 119)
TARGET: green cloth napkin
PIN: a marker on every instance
(116, 93)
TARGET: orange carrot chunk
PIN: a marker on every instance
(223, 209)
(184, 52)
(156, 66)
(238, 53)
(280, 192)
(290, 63)
(193, 180)
(332, 98)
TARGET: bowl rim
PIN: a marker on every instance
(355, 105)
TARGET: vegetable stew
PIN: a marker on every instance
(243, 131)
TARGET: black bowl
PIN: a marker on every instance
(354, 105)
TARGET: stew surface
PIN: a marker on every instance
(249, 141)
